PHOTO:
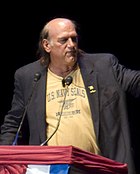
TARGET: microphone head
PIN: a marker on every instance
(37, 76)
(67, 81)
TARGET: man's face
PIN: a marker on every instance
(63, 43)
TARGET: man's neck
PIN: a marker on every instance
(62, 71)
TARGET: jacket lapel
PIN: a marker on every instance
(90, 80)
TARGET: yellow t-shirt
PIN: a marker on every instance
(76, 125)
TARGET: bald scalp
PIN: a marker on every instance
(55, 23)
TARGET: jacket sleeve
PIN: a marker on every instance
(13, 117)
(128, 79)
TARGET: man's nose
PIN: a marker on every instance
(71, 42)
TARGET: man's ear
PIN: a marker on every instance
(46, 45)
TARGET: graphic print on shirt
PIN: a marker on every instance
(73, 96)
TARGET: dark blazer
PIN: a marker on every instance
(110, 80)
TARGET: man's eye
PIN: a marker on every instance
(62, 41)
(74, 39)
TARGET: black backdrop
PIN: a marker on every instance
(104, 27)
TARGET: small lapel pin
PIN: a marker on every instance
(92, 90)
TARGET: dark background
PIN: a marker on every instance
(104, 27)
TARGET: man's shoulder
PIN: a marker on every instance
(96, 58)
(97, 55)
(29, 68)
(30, 65)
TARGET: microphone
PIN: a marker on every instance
(65, 82)
(37, 76)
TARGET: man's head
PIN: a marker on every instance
(59, 39)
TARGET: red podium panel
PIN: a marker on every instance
(15, 159)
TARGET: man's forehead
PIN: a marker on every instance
(61, 22)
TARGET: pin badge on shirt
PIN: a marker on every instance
(92, 90)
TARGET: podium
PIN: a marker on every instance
(66, 160)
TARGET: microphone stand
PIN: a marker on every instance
(36, 78)
(58, 123)
(65, 83)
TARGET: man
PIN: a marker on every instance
(73, 98)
